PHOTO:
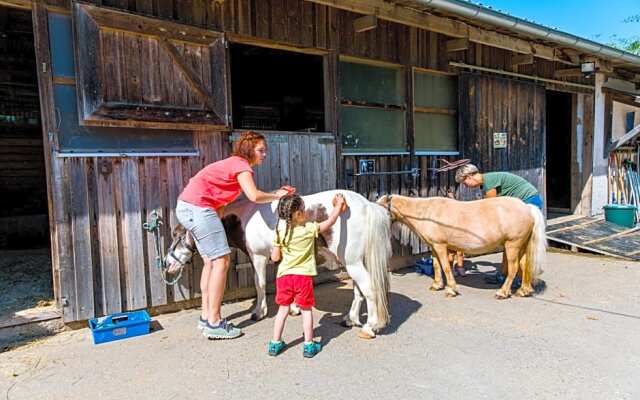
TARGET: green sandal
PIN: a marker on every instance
(311, 349)
(276, 348)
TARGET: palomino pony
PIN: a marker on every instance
(476, 227)
(360, 240)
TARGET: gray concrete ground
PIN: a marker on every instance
(578, 339)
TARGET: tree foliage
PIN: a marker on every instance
(630, 44)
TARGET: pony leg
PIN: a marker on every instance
(437, 284)
(511, 253)
(526, 288)
(443, 256)
(260, 278)
(362, 280)
(353, 317)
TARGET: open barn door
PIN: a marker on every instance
(144, 72)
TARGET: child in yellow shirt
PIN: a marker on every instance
(293, 246)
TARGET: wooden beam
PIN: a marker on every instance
(566, 73)
(145, 26)
(405, 16)
(458, 44)
(365, 23)
(21, 4)
(572, 55)
(522, 59)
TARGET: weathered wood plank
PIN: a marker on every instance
(153, 201)
(108, 238)
(132, 246)
(81, 233)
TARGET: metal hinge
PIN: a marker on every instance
(44, 68)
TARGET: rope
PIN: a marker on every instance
(153, 225)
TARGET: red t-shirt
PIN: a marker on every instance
(216, 185)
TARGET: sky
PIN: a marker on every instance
(599, 20)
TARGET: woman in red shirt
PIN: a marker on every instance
(200, 209)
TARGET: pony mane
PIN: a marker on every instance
(403, 234)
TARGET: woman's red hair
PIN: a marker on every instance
(246, 144)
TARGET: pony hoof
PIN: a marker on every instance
(255, 317)
(501, 296)
(522, 293)
(366, 334)
(436, 288)
(294, 310)
(449, 292)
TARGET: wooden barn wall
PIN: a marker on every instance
(521, 114)
(105, 260)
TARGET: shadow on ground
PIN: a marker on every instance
(333, 301)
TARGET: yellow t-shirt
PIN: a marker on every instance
(297, 249)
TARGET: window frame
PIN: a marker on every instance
(415, 110)
(403, 107)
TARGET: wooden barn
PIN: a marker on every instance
(108, 107)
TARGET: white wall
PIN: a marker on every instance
(619, 118)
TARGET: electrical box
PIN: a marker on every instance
(367, 166)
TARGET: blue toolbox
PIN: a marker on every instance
(119, 326)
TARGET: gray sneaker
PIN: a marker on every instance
(223, 330)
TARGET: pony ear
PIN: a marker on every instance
(178, 230)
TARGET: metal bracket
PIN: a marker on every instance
(414, 172)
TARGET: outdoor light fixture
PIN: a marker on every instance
(588, 68)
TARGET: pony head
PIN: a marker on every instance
(181, 250)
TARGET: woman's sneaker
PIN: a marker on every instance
(201, 323)
(276, 348)
(311, 349)
(223, 330)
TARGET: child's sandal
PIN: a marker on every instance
(276, 348)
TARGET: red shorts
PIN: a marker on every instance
(295, 289)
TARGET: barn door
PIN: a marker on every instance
(144, 72)
(502, 125)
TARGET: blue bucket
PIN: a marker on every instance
(424, 266)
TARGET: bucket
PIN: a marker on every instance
(620, 214)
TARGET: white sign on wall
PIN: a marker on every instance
(499, 140)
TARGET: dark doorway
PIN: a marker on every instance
(25, 263)
(276, 89)
(558, 151)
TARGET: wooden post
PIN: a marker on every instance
(600, 159)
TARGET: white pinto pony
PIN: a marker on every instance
(360, 239)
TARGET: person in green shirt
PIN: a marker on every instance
(495, 184)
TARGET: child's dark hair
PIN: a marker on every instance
(287, 205)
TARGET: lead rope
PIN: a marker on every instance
(153, 225)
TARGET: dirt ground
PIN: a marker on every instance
(575, 340)
(25, 282)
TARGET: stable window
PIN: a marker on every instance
(372, 110)
(276, 89)
(75, 137)
(435, 104)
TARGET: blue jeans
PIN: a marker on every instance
(535, 200)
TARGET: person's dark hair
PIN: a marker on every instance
(245, 145)
(288, 205)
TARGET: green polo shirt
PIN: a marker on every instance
(507, 184)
